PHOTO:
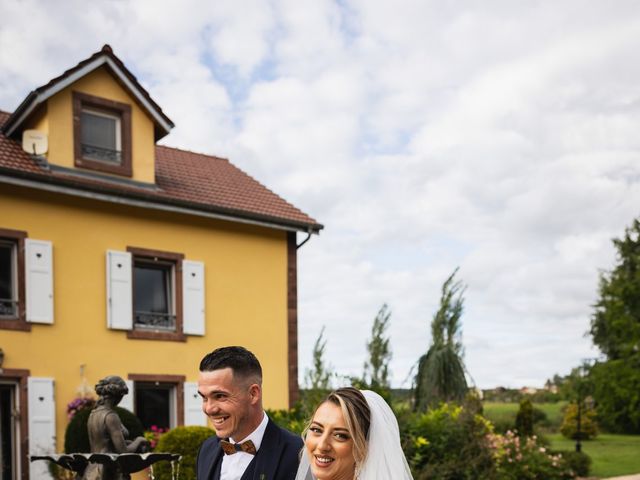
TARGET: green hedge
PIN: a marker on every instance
(184, 441)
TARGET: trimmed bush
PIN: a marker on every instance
(448, 443)
(184, 441)
(294, 420)
(524, 418)
(76, 437)
(579, 462)
(588, 426)
(540, 418)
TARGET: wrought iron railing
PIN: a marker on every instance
(155, 321)
(102, 154)
(8, 307)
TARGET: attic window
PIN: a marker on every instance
(102, 134)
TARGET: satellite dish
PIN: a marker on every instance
(34, 142)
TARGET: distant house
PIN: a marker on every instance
(528, 390)
(122, 257)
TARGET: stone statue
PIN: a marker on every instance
(106, 432)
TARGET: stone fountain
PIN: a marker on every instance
(114, 466)
(113, 456)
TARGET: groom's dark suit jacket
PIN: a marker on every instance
(277, 458)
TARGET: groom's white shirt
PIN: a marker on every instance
(233, 466)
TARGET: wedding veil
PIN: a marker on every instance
(385, 459)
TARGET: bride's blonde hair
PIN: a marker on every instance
(357, 416)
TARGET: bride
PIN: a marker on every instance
(353, 435)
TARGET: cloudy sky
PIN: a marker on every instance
(500, 137)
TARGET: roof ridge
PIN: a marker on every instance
(116, 67)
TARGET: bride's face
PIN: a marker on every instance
(329, 444)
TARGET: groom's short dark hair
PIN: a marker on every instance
(243, 363)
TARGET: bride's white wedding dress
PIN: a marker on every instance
(385, 459)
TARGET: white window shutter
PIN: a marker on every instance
(193, 414)
(119, 290)
(193, 297)
(42, 424)
(127, 400)
(39, 280)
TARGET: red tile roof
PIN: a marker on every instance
(184, 179)
(121, 72)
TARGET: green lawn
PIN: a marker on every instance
(500, 410)
(501, 413)
(553, 411)
(612, 455)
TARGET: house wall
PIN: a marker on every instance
(245, 283)
(59, 112)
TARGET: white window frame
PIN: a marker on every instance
(112, 116)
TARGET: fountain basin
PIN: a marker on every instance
(126, 463)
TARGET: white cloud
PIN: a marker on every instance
(499, 137)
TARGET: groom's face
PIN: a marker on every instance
(232, 404)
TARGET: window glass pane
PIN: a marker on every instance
(153, 404)
(150, 289)
(6, 271)
(100, 137)
(7, 282)
(99, 131)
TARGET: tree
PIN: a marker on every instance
(615, 324)
(616, 391)
(376, 368)
(318, 378)
(524, 418)
(615, 329)
(441, 371)
(588, 425)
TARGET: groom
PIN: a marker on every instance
(247, 445)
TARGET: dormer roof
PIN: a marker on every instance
(180, 181)
(186, 182)
(103, 58)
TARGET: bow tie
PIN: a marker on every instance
(231, 448)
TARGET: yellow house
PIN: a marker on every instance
(122, 257)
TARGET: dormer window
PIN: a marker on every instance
(102, 134)
(101, 138)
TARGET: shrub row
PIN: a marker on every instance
(447, 443)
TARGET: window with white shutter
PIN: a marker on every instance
(12, 311)
(42, 424)
(119, 290)
(39, 280)
(154, 294)
(193, 297)
(26, 280)
(193, 414)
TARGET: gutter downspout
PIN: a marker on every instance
(309, 233)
